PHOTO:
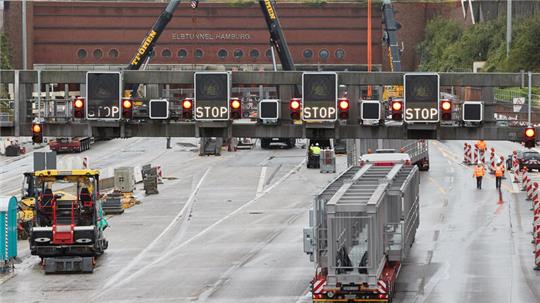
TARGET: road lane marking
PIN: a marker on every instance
(166, 255)
(262, 177)
(139, 257)
(438, 185)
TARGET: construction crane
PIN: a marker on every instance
(391, 26)
(146, 49)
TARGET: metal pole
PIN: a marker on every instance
(38, 90)
(273, 58)
(24, 32)
(530, 96)
(508, 26)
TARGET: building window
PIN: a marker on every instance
(254, 54)
(182, 53)
(98, 53)
(308, 53)
(166, 53)
(198, 53)
(113, 53)
(269, 54)
(238, 54)
(340, 54)
(222, 54)
(323, 54)
(81, 53)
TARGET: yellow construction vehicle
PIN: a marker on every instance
(67, 229)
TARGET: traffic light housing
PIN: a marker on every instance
(295, 105)
(37, 133)
(127, 108)
(235, 106)
(530, 137)
(343, 107)
(187, 108)
(446, 110)
(78, 108)
(396, 109)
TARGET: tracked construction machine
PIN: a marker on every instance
(67, 232)
(362, 226)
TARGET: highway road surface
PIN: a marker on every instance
(229, 229)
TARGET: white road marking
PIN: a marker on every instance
(135, 261)
(260, 186)
(165, 256)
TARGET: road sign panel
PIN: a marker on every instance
(421, 97)
(212, 95)
(319, 96)
(370, 110)
(103, 94)
(269, 109)
(473, 111)
(159, 109)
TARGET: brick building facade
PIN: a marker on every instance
(76, 33)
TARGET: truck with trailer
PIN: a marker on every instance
(362, 226)
(418, 150)
(67, 231)
(71, 145)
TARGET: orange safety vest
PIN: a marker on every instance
(499, 171)
(479, 171)
(481, 145)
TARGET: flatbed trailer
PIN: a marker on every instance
(71, 145)
(362, 226)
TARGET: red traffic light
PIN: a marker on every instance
(295, 104)
(396, 108)
(530, 137)
(446, 110)
(79, 103)
(343, 104)
(235, 103)
(397, 105)
(236, 108)
(127, 104)
(446, 105)
(36, 128)
(187, 104)
(37, 133)
(530, 132)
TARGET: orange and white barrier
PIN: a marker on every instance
(530, 190)
(159, 174)
(467, 154)
(524, 179)
(482, 156)
(515, 167)
(86, 163)
(492, 161)
(536, 228)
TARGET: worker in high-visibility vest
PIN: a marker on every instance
(499, 173)
(481, 145)
(479, 172)
(316, 149)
